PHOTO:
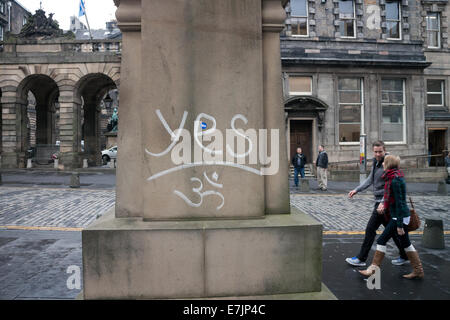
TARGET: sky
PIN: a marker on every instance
(98, 11)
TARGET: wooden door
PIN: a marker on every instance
(436, 145)
(301, 136)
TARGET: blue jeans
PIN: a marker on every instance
(391, 232)
(296, 172)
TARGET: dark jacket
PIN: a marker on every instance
(322, 160)
(447, 162)
(299, 160)
(399, 209)
(374, 179)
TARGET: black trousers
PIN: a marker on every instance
(375, 221)
(390, 231)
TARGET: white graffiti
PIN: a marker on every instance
(205, 193)
(250, 148)
(373, 17)
(197, 133)
(174, 137)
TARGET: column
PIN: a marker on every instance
(129, 158)
(276, 186)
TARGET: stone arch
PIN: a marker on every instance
(307, 106)
(46, 93)
(91, 90)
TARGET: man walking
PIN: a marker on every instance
(322, 166)
(376, 219)
(299, 161)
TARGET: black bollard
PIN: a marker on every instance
(75, 180)
(433, 234)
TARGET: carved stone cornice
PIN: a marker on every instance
(128, 14)
(273, 15)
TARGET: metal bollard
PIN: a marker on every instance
(75, 180)
(304, 185)
(442, 188)
(29, 164)
(433, 234)
(56, 164)
(85, 163)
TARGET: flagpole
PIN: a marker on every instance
(85, 14)
(83, 6)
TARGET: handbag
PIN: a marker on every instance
(414, 221)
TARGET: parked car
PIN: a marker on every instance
(109, 154)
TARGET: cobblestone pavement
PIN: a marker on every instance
(338, 212)
(66, 208)
(77, 208)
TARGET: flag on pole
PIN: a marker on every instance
(82, 10)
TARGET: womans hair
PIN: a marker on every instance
(391, 162)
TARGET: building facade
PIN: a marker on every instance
(13, 16)
(378, 68)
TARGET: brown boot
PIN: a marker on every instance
(413, 256)
(376, 262)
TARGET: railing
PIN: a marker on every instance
(58, 46)
(418, 158)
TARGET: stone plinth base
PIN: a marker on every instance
(129, 258)
(111, 139)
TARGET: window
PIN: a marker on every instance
(351, 109)
(393, 19)
(1, 33)
(299, 17)
(24, 20)
(300, 86)
(433, 30)
(2, 7)
(393, 124)
(347, 18)
(435, 93)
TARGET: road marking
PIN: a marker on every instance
(40, 228)
(447, 232)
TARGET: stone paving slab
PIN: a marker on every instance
(338, 212)
(68, 208)
(34, 264)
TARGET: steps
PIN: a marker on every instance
(309, 173)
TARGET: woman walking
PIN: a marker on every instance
(396, 207)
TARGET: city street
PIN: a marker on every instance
(41, 219)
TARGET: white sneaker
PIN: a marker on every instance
(355, 262)
(399, 261)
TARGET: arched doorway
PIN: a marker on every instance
(37, 98)
(96, 92)
(305, 120)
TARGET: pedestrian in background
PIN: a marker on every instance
(447, 164)
(299, 161)
(395, 206)
(376, 220)
(322, 166)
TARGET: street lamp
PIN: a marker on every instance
(108, 101)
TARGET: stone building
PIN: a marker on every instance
(13, 16)
(53, 90)
(374, 67)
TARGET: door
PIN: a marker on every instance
(301, 136)
(436, 146)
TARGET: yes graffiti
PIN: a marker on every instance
(249, 153)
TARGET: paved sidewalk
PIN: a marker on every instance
(338, 212)
(62, 208)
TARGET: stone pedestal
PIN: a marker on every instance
(127, 258)
(199, 214)
(111, 139)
